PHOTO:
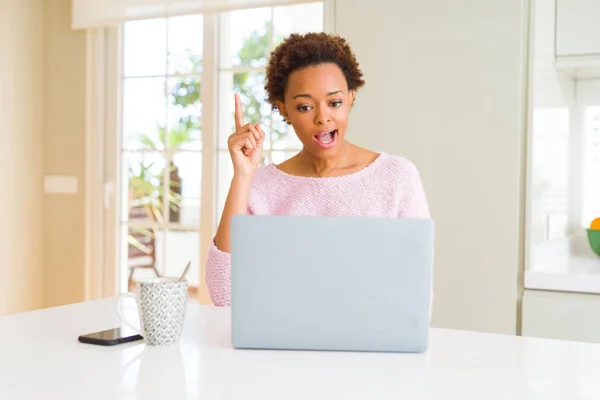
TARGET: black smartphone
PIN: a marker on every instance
(110, 337)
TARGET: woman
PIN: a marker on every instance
(312, 81)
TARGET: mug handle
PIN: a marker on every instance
(122, 316)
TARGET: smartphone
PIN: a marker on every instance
(110, 337)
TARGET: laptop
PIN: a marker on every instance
(331, 283)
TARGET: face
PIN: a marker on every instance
(317, 103)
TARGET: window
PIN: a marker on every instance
(246, 39)
(564, 165)
(591, 164)
(550, 169)
(161, 146)
(161, 136)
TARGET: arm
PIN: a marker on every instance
(414, 201)
(218, 273)
(245, 147)
(218, 262)
(236, 203)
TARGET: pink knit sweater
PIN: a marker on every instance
(388, 187)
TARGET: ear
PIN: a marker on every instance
(282, 109)
(352, 95)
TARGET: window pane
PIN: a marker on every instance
(302, 18)
(591, 201)
(266, 158)
(283, 137)
(290, 154)
(145, 48)
(142, 254)
(185, 44)
(144, 110)
(184, 113)
(224, 176)
(226, 108)
(248, 34)
(250, 87)
(550, 174)
(183, 246)
(277, 157)
(143, 186)
(185, 187)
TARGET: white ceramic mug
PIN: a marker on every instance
(162, 304)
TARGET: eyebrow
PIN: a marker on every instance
(310, 97)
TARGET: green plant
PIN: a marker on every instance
(133, 241)
(174, 138)
(147, 194)
(146, 189)
(255, 48)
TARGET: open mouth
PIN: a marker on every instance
(327, 139)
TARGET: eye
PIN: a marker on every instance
(336, 103)
(304, 108)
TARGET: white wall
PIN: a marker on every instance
(64, 154)
(21, 25)
(445, 88)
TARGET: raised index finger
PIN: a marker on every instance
(239, 114)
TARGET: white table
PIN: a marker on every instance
(40, 358)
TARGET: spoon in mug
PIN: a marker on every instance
(185, 271)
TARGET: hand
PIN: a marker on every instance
(245, 144)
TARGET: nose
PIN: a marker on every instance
(322, 117)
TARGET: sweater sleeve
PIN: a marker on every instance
(414, 205)
(218, 274)
(414, 202)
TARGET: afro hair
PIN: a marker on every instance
(299, 51)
